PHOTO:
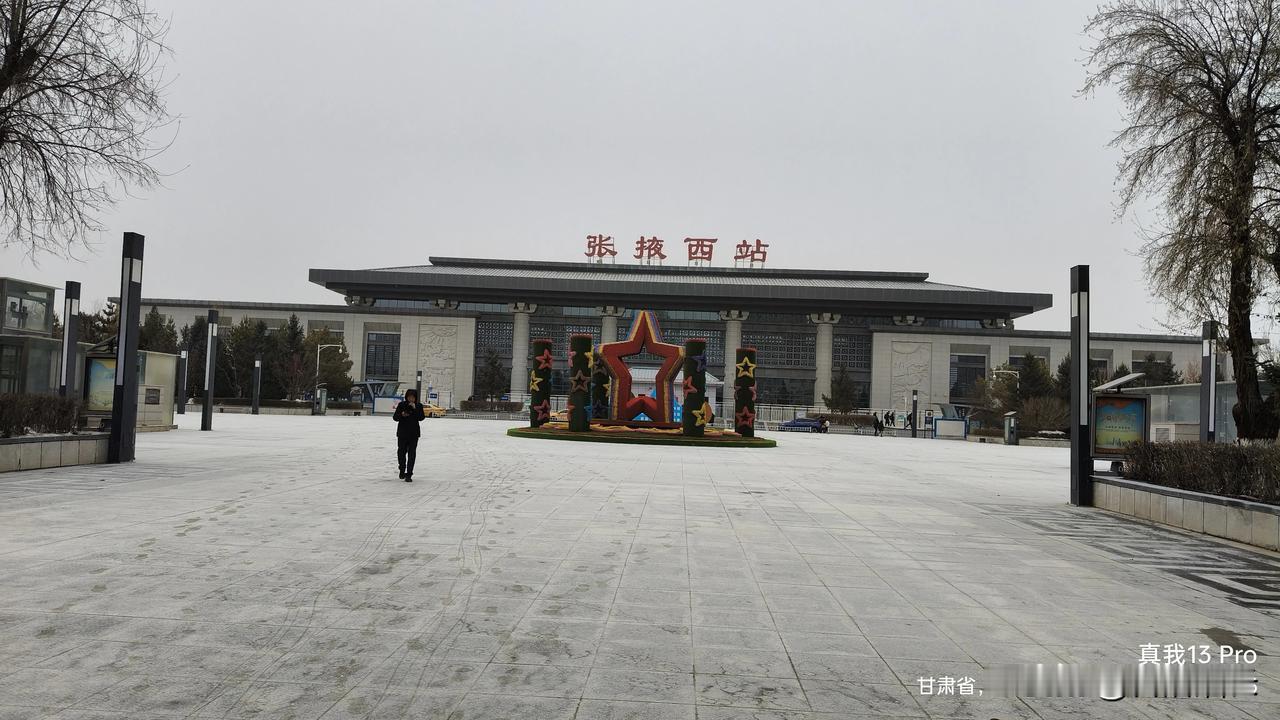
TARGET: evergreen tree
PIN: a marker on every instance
(1158, 372)
(492, 380)
(1034, 379)
(844, 393)
(193, 339)
(335, 363)
(157, 333)
(289, 361)
(1121, 371)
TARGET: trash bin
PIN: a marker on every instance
(320, 405)
(1011, 428)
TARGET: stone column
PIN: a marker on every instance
(520, 348)
(732, 341)
(609, 315)
(822, 355)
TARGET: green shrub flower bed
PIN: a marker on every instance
(23, 414)
(1251, 472)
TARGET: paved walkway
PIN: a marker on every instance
(276, 568)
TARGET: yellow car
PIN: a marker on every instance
(560, 416)
(432, 410)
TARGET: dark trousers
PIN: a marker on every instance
(406, 453)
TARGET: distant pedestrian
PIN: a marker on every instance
(407, 416)
(877, 425)
(825, 424)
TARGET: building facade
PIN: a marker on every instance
(891, 332)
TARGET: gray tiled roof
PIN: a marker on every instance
(676, 287)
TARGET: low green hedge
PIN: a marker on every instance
(23, 414)
(1251, 472)
(301, 404)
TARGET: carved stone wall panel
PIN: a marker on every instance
(911, 368)
(438, 353)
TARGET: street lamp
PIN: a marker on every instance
(318, 349)
(1017, 376)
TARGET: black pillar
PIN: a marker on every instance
(915, 410)
(257, 382)
(180, 397)
(70, 336)
(418, 388)
(210, 364)
(124, 403)
(1081, 430)
(1209, 381)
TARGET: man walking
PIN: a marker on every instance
(407, 416)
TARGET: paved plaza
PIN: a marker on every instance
(277, 568)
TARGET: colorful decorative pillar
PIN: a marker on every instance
(600, 382)
(581, 361)
(697, 411)
(744, 392)
(540, 383)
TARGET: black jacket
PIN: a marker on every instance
(407, 419)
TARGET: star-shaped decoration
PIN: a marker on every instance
(591, 359)
(569, 408)
(701, 361)
(689, 387)
(745, 418)
(535, 382)
(545, 360)
(700, 415)
(606, 384)
(746, 368)
(580, 381)
(543, 409)
(644, 336)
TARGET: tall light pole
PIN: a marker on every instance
(318, 349)
(70, 335)
(1209, 382)
(124, 404)
(1081, 422)
(1017, 376)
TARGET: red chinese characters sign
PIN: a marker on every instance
(699, 251)
(600, 246)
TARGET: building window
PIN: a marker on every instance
(851, 351)
(27, 308)
(966, 371)
(495, 336)
(784, 391)
(334, 327)
(1099, 367)
(714, 338)
(781, 349)
(1017, 362)
(9, 368)
(382, 356)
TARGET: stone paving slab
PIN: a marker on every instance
(277, 568)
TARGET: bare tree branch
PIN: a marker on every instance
(1201, 83)
(80, 103)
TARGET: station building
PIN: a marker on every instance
(892, 332)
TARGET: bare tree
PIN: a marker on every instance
(1201, 82)
(80, 99)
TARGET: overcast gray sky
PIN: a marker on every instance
(938, 136)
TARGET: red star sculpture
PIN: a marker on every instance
(644, 336)
(689, 387)
(745, 418)
(543, 409)
(544, 360)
